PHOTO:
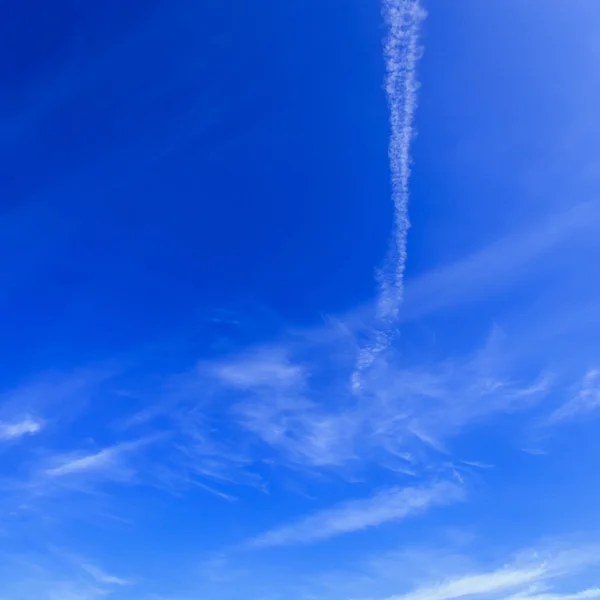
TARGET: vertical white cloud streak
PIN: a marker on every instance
(401, 52)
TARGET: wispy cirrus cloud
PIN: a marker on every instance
(583, 595)
(443, 568)
(529, 575)
(288, 405)
(103, 577)
(399, 412)
(56, 575)
(104, 460)
(110, 463)
(431, 568)
(22, 427)
(586, 400)
(265, 367)
(302, 432)
(389, 505)
(493, 582)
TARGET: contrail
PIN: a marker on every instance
(401, 52)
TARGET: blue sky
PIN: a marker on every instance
(230, 369)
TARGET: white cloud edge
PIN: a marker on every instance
(100, 461)
(530, 576)
(15, 429)
(585, 400)
(401, 53)
(476, 584)
(103, 577)
(389, 505)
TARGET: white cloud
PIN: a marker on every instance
(428, 568)
(16, 429)
(300, 430)
(400, 413)
(585, 401)
(103, 577)
(390, 505)
(583, 595)
(53, 574)
(273, 407)
(529, 576)
(263, 368)
(401, 53)
(477, 584)
(107, 462)
(90, 462)
(437, 401)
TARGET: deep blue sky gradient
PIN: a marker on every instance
(163, 157)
